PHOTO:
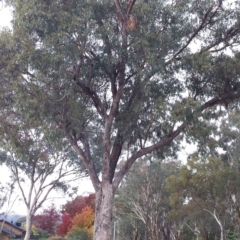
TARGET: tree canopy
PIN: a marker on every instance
(120, 79)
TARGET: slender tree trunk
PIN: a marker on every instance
(222, 233)
(222, 236)
(103, 212)
(28, 225)
(217, 218)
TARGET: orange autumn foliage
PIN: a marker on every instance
(84, 220)
(78, 204)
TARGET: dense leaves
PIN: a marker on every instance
(47, 220)
(65, 226)
(118, 80)
(209, 189)
(77, 216)
(55, 44)
(80, 234)
(142, 205)
(84, 220)
(78, 204)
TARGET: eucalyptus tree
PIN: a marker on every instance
(121, 78)
(210, 188)
(38, 167)
(146, 212)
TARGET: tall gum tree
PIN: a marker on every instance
(120, 78)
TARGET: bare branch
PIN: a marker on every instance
(95, 98)
(119, 11)
(88, 163)
(130, 6)
(195, 33)
(168, 139)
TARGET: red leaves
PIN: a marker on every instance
(78, 204)
(47, 220)
(65, 226)
(78, 213)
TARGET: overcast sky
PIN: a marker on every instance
(5, 16)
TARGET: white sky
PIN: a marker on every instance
(5, 16)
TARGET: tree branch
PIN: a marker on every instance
(119, 11)
(168, 139)
(223, 98)
(95, 98)
(88, 163)
(202, 26)
(115, 153)
(130, 6)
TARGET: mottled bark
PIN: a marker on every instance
(103, 215)
(28, 225)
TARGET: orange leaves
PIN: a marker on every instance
(84, 220)
(78, 217)
(78, 204)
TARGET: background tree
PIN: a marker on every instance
(78, 204)
(8, 198)
(78, 213)
(207, 188)
(2, 197)
(145, 211)
(65, 226)
(211, 181)
(120, 79)
(47, 220)
(83, 221)
(37, 165)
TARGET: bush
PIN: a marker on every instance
(231, 235)
(79, 234)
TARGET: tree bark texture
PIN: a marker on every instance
(28, 225)
(103, 213)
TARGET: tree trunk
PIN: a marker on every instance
(222, 233)
(28, 225)
(103, 212)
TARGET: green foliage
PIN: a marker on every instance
(147, 210)
(35, 231)
(204, 190)
(81, 78)
(38, 232)
(79, 234)
(49, 39)
(231, 235)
